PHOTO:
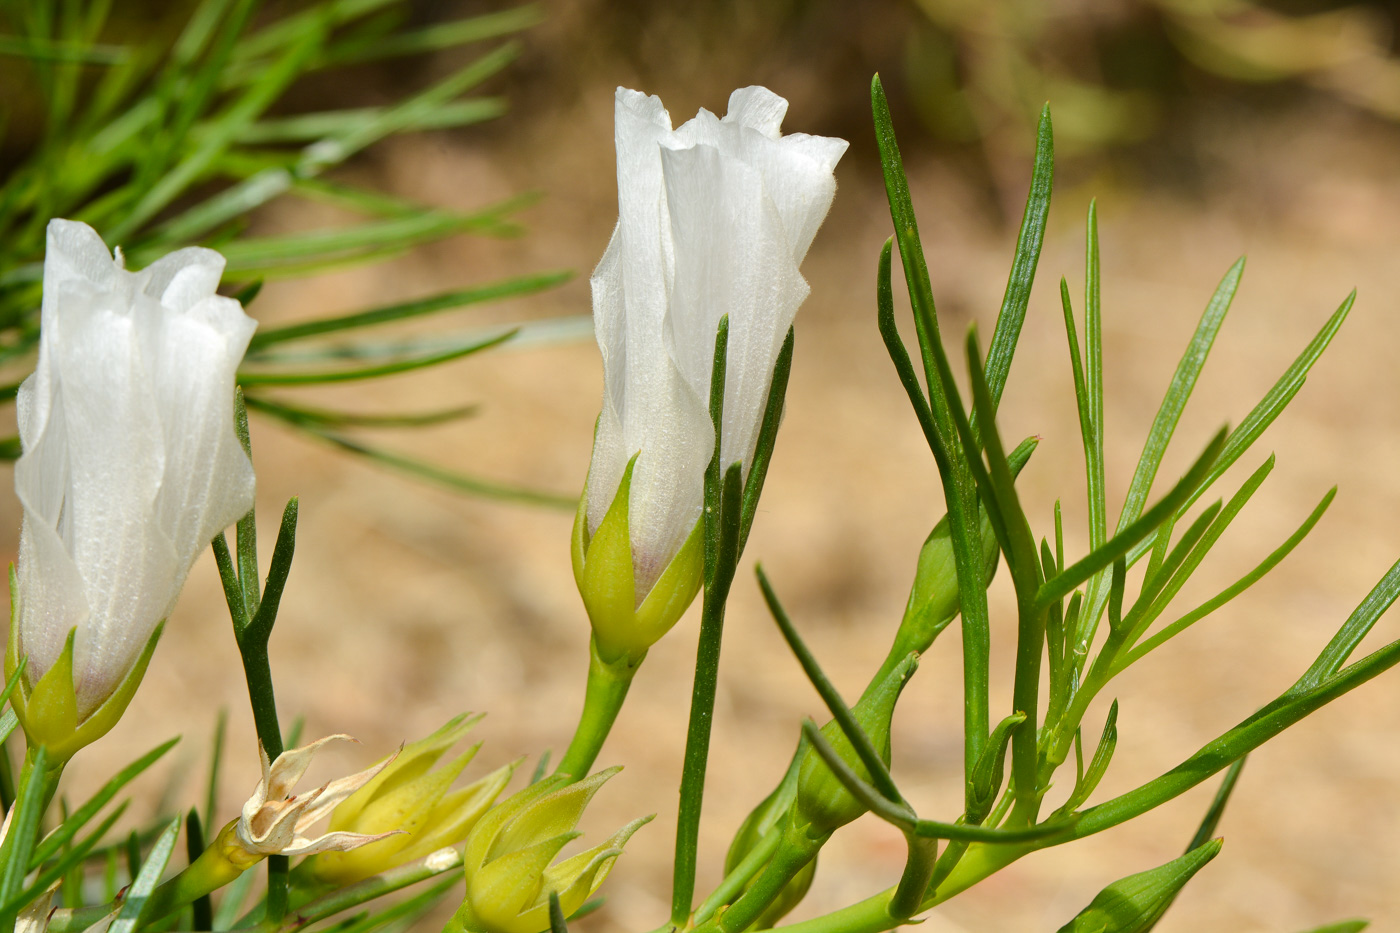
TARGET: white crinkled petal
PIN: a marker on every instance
(182, 279)
(53, 601)
(208, 478)
(732, 257)
(610, 329)
(116, 463)
(757, 108)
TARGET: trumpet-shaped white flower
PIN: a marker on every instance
(715, 218)
(130, 464)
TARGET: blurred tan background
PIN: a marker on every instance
(408, 604)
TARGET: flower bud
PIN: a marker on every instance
(823, 802)
(413, 797)
(623, 626)
(714, 220)
(1134, 904)
(130, 466)
(508, 853)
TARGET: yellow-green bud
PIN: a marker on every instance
(48, 709)
(411, 797)
(626, 623)
(823, 802)
(508, 853)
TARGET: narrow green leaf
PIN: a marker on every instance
(1357, 626)
(1273, 402)
(129, 919)
(1188, 369)
(767, 438)
(1088, 779)
(309, 127)
(255, 378)
(1168, 584)
(860, 742)
(1230, 592)
(325, 418)
(458, 482)
(556, 914)
(445, 301)
(72, 858)
(1211, 821)
(1119, 545)
(260, 626)
(216, 757)
(233, 590)
(1023, 263)
(1223, 751)
(24, 826)
(714, 486)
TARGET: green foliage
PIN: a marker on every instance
(161, 144)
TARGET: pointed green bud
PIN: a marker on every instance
(508, 854)
(625, 622)
(933, 599)
(48, 708)
(412, 799)
(1134, 904)
(990, 769)
(823, 802)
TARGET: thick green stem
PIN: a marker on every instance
(608, 683)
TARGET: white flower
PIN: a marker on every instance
(130, 462)
(714, 218)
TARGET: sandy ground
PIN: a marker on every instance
(408, 604)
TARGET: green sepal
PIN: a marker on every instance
(674, 590)
(48, 711)
(1135, 903)
(606, 578)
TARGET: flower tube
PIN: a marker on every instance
(130, 466)
(715, 218)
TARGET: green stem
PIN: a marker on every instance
(791, 856)
(918, 870)
(257, 669)
(608, 683)
(743, 873)
(206, 874)
(697, 749)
